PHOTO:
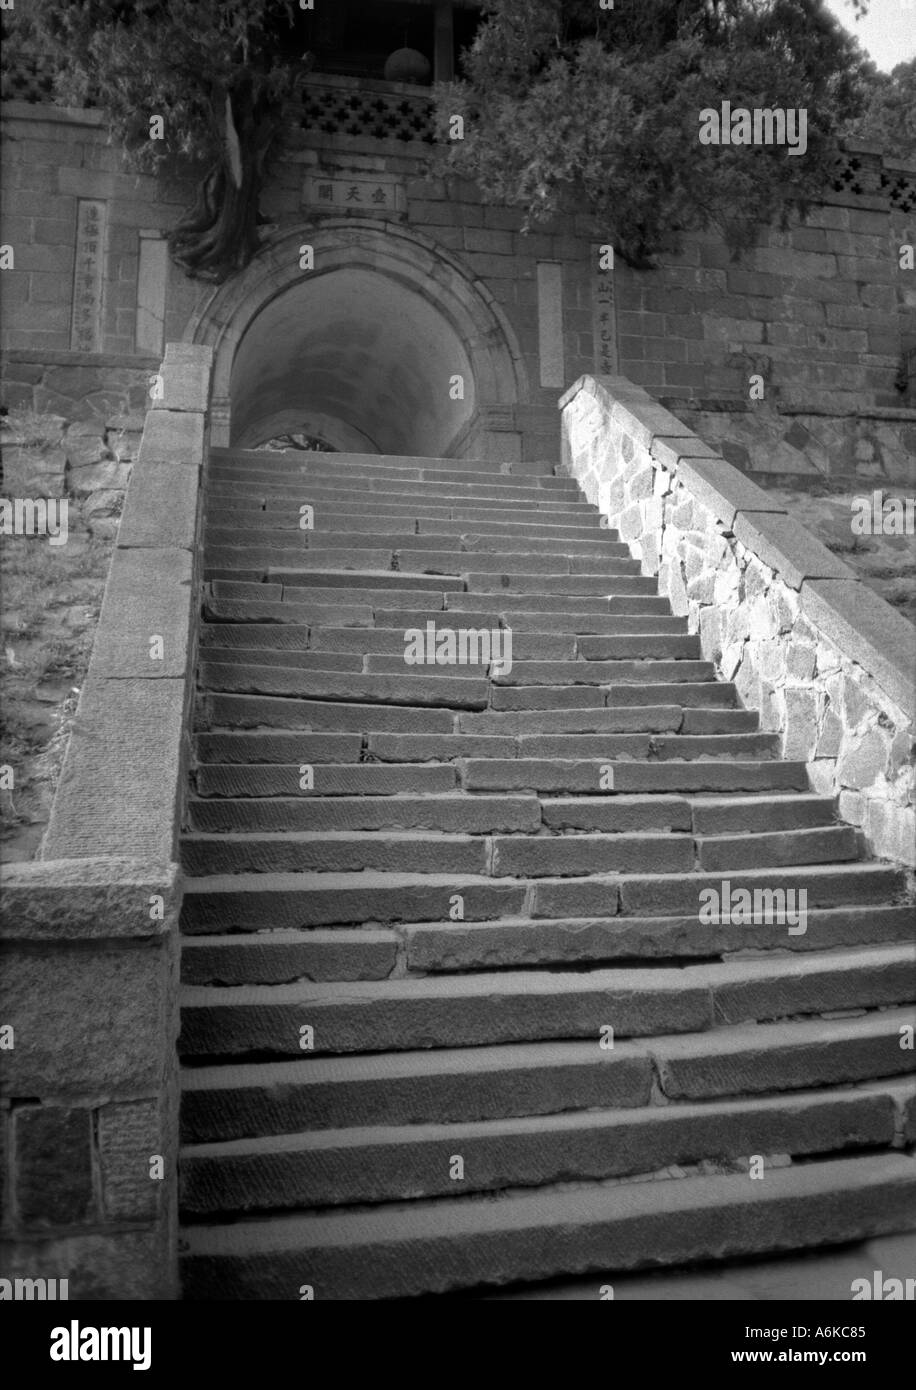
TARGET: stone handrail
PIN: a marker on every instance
(90, 930)
(827, 662)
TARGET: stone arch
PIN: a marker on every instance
(368, 342)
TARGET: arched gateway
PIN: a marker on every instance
(363, 350)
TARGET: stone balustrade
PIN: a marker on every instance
(90, 930)
(827, 662)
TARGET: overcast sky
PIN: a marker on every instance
(888, 35)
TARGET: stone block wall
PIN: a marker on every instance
(89, 937)
(822, 312)
(827, 662)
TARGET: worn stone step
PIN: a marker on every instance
(435, 947)
(351, 586)
(543, 855)
(281, 460)
(269, 747)
(689, 694)
(599, 777)
(640, 646)
(575, 584)
(842, 885)
(590, 719)
(259, 656)
(362, 470)
(252, 612)
(396, 641)
(570, 746)
(821, 845)
(750, 1059)
(328, 485)
(615, 814)
(652, 719)
(460, 1011)
(281, 957)
(444, 1244)
(532, 625)
(329, 779)
(476, 1009)
(418, 517)
(389, 1163)
(266, 711)
(541, 562)
(459, 539)
(718, 815)
(453, 811)
(636, 672)
(445, 1086)
(336, 851)
(606, 603)
(447, 689)
(284, 458)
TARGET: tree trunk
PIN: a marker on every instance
(219, 235)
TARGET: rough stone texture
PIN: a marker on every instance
(830, 666)
(57, 899)
(109, 1007)
(148, 594)
(53, 1164)
(442, 1245)
(172, 436)
(129, 1137)
(119, 787)
(160, 508)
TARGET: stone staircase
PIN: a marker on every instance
(415, 909)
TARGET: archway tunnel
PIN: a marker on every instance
(357, 358)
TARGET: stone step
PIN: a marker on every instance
(329, 779)
(253, 902)
(355, 515)
(787, 811)
(289, 637)
(599, 777)
(632, 602)
(547, 561)
(823, 845)
(360, 467)
(571, 746)
(437, 947)
(285, 459)
(270, 712)
(260, 656)
(569, 527)
(433, 1246)
(446, 485)
(459, 540)
(452, 811)
(337, 851)
(403, 498)
(389, 1163)
(651, 719)
(393, 640)
(454, 1086)
(578, 583)
(544, 624)
(637, 671)
(278, 747)
(448, 689)
(281, 957)
(416, 851)
(710, 695)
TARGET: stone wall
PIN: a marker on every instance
(90, 931)
(823, 312)
(827, 662)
